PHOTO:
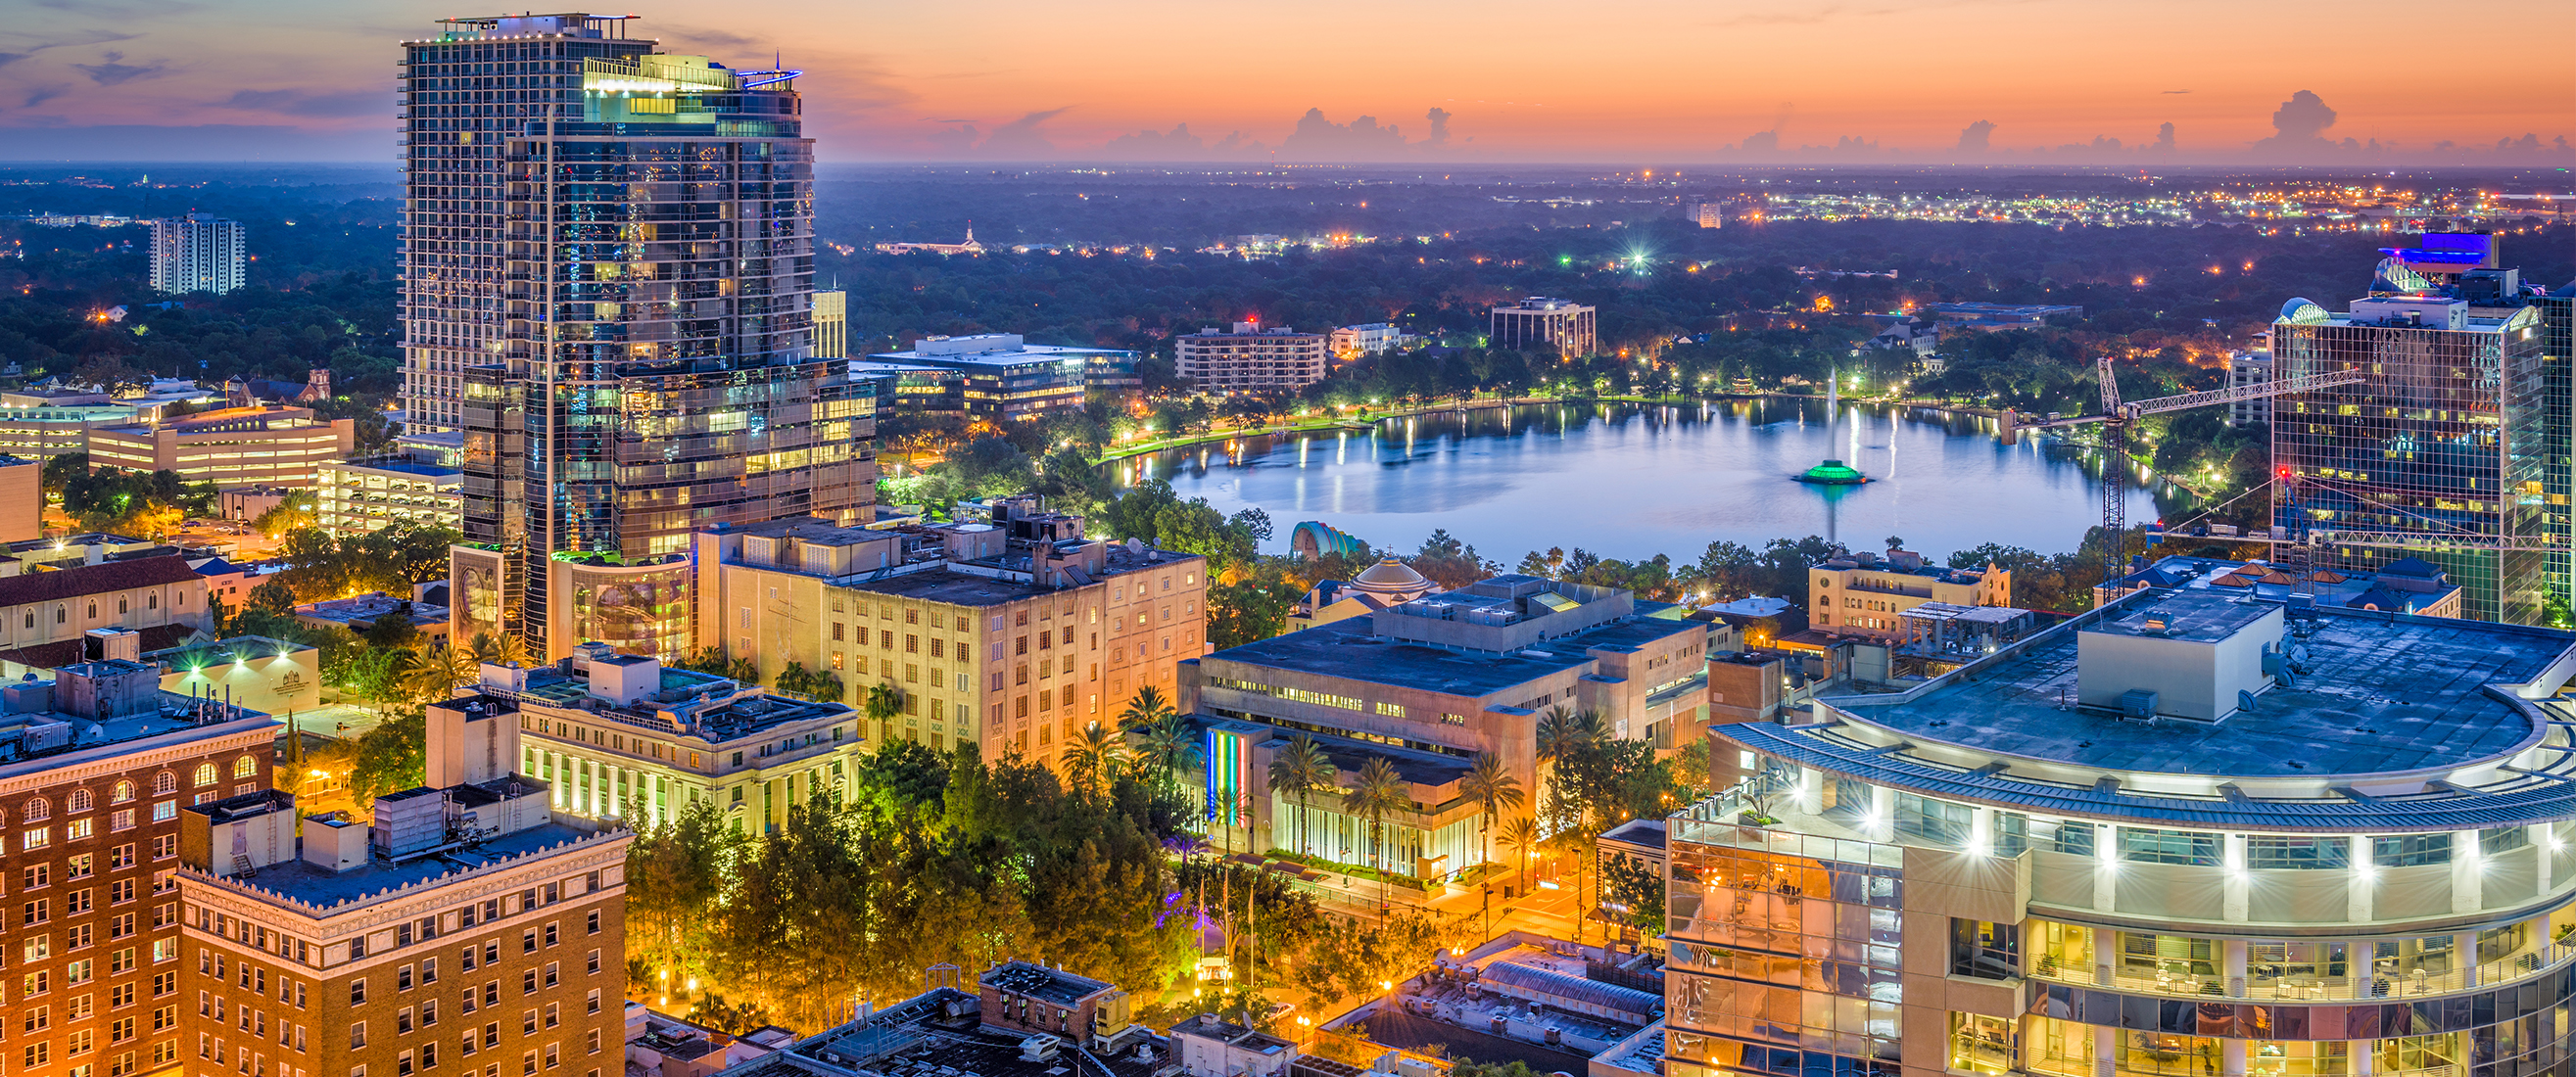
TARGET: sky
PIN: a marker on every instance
(1626, 82)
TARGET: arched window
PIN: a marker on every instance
(121, 605)
(165, 783)
(62, 614)
(37, 809)
(205, 774)
(77, 802)
(123, 792)
(93, 611)
(152, 602)
(245, 767)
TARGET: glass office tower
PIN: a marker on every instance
(608, 270)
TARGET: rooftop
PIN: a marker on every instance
(1346, 649)
(320, 890)
(1038, 981)
(936, 1034)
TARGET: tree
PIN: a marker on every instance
(1148, 708)
(1163, 749)
(1301, 770)
(1251, 602)
(1378, 791)
(1093, 761)
(272, 596)
(1522, 835)
(1493, 789)
(391, 757)
(509, 650)
(884, 702)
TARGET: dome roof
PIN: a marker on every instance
(1391, 576)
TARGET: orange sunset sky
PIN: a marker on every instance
(1629, 82)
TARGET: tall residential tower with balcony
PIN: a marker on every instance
(607, 277)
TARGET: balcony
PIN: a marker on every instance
(2303, 982)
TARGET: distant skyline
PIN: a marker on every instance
(1640, 82)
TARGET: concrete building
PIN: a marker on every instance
(2191, 833)
(1428, 685)
(1352, 341)
(832, 324)
(197, 253)
(1544, 321)
(609, 731)
(1865, 595)
(1384, 585)
(44, 616)
(1002, 376)
(43, 431)
(467, 926)
(100, 765)
(22, 498)
(360, 613)
(1027, 997)
(1708, 214)
(2408, 585)
(1250, 359)
(2244, 370)
(373, 493)
(230, 447)
(262, 673)
(969, 1031)
(1011, 635)
(1211, 1046)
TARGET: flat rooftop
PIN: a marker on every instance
(2192, 616)
(1345, 649)
(309, 884)
(2385, 694)
(919, 1038)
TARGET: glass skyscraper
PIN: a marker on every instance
(608, 277)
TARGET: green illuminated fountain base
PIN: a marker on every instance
(1832, 473)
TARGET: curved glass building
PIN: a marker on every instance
(2194, 835)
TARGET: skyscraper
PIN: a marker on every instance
(196, 253)
(607, 273)
(2452, 451)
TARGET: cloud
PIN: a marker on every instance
(116, 72)
(2177, 91)
(2298, 130)
(7, 58)
(1977, 138)
(1762, 142)
(2164, 138)
(1023, 137)
(1364, 139)
(38, 95)
(309, 103)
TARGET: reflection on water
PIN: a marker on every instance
(1632, 481)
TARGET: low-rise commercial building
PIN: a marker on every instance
(360, 613)
(1429, 685)
(997, 375)
(2189, 833)
(1865, 595)
(373, 493)
(467, 927)
(1547, 322)
(1250, 359)
(2408, 585)
(230, 447)
(1011, 635)
(44, 431)
(41, 613)
(608, 732)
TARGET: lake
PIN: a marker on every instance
(1631, 481)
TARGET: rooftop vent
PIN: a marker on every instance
(2138, 704)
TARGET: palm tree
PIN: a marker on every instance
(1562, 733)
(884, 702)
(1521, 834)
(1580, 841)
(508, 649)
(1150, 707)
(1301, 771)
(1495, 789)
(1379, 790)
(1094, 759)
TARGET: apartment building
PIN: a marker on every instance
(466, 930)
(261, 445)
(1865, 595)
(611, 731)
(199, 252)
(100, 764)
(1012, 634)
(1250, 359)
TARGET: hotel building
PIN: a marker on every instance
(2194, 833)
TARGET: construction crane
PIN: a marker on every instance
(2118, 414)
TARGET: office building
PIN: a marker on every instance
(1864, 595)
(100, 765)
(22, 498)
(1708, 214)
(1250, 359)
(197, 253)
(997, 376)
(2189, 834)
(1428, 685)
(1544, 322)
(2442, 453)
(2245, 370)
(557, 284)
(1012, 635)
(611, 732)
(372, 493)
(467, 929)
(832, 324)
(233, 448)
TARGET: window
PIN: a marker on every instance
(77, 802)
(2276, 854)
(594, 963)
(205, 775)
(357, 987)
(1933, 822)
(2493, 840)
(165, 783)
(245, 767)
(2149, 846)
(1983, 950)
(2410, 850)
(594, 918)
(357, 1035)
(36, 809)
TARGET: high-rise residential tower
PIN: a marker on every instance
(608, 276)
(196, 253)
